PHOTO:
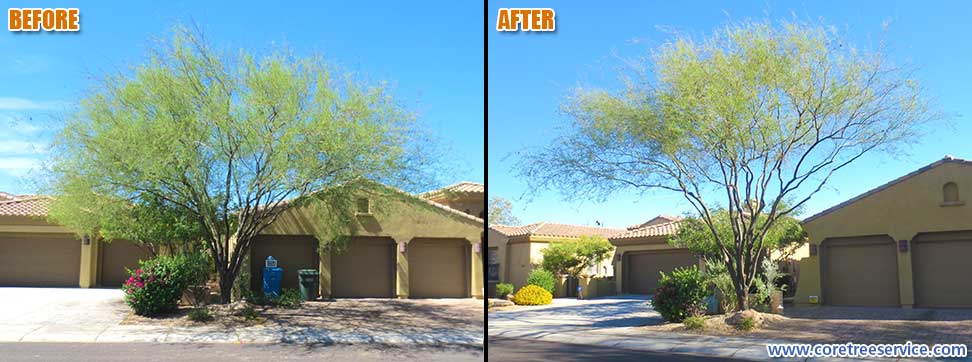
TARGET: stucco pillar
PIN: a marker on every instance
(89, 263)
(401, 267)
(325, 274)
(476, 279)
(906, 288)
(809, 282)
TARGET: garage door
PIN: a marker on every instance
(365, 270)
(941, 269)
(437, 268)
(115, 257)
(860, 271)
(641, 269)
(293, 252)
(39, 260)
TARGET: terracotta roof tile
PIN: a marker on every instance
(554, 229)
(660, 219)
(459, 187)
(667, 228)
(27, 206)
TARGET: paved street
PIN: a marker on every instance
(609, 323)
(524, 350)
(109, 352)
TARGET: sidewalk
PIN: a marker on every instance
(304, 335)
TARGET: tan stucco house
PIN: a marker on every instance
(905, 243)
(405, 247)
(468, 197)
(35, 253)
(514, 251)
(642, 251)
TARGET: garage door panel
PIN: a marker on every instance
(115, 258)
(437, 268)
(292, 252)
(642, 269)
(941, 271)
(860, 272)
(40, 261)
(366, 269)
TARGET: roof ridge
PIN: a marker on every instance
(882, 187)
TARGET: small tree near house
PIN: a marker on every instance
(574, 257)
(757, 114)
(232, 141)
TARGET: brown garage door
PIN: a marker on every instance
(39, 260)
(941, 269)
(366, 269)
(860, 271)
(115, 258)
(641, 268)
(437, 268)
(293, 252)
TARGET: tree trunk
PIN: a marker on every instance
(225, 287)
(742, 294)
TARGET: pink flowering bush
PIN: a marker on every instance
(159, 283)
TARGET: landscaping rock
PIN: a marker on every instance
(737, 317)
(498, 303)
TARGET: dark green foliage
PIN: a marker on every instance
(542, 278)
(503, 289)
(158, 284)
(681, 294)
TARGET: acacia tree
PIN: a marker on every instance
(233, 141)
(151, 224)
(755, 114)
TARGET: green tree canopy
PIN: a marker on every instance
(752, 115)
(501, 212)
(231, 140)
(574, 257)
(783, 236)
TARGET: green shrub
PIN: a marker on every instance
(158, 284)
(694, 323)
(503, 289)
(249, 313)
(200, 315)
(717, 274)
(681, 294)
(542, 278)
(746, 324)
(289, 298)
(532, 295)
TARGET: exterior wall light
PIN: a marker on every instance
(85, 240)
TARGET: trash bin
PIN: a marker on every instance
(272, 276)
(309, 281)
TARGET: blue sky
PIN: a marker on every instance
(431, 53)
(530, 73)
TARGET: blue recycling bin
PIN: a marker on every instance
(272, 275)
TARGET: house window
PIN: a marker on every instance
(492, 260)
(364, 206)
(950, 195)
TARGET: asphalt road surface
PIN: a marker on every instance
(519, 350)
(56, 352)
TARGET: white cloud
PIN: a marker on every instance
(13, 103)
(22, 147)
(18, 166)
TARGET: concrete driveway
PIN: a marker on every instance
(568, 315)
(39, 314)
